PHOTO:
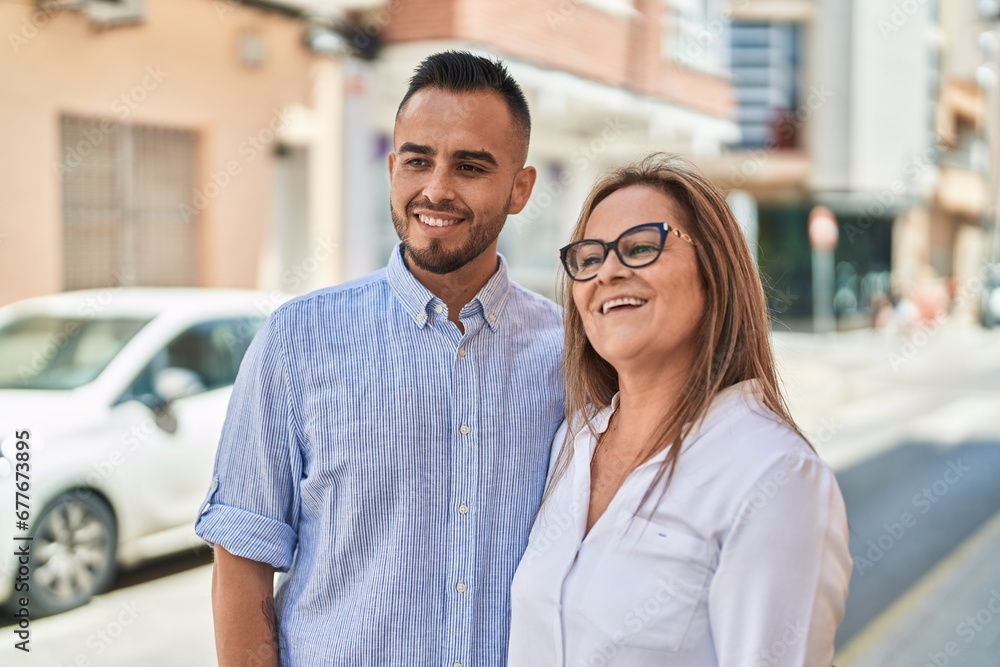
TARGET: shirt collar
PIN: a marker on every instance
(603, 415)
(492, 298)
(415, 298)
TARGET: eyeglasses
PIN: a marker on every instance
(636, 247)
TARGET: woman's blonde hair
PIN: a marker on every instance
(733, 341)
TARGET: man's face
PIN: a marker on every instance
(455, 175)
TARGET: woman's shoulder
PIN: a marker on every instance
(740, 433)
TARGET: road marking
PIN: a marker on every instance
(884, 623)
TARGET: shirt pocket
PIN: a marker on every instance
(648, 586)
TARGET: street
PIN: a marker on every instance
(915, 442)
(916, 448)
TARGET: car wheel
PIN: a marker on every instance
(73, 552)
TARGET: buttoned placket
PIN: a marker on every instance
(462, 525)
(575, 502)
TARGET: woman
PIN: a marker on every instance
(687, 521)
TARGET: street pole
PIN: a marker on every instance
(744, 208)
(823, 233)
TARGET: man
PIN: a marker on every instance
(387, 439)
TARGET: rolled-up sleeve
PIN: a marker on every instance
(781, 584)
(252, 505)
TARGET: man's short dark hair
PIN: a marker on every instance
(464, 72)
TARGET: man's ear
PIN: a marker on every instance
(524, 182)
(392, 164)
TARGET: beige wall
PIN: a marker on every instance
(67, 66)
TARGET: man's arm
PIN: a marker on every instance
(243, 608)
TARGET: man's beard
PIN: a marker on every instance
(434, 258)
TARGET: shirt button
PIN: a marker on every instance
(457, 664)
(460, 587)
(463, 509)
(421, 317)
(461, 351)
(492, 318)
(439, 308)
(464, 429)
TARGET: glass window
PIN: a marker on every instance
(44, 352)
(767, 72)
(695, 33)
(211, 350)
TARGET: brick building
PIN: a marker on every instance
(606, 80)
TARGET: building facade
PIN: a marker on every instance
(221, 143)
(146, 142)
(873, 110)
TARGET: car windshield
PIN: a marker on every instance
(45, 352)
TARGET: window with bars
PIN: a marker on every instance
(125, 190)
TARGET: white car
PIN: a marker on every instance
(111, 406)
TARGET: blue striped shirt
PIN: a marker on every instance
(391, 466)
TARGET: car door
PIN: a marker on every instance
(173, 447)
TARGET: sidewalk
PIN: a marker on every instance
(951, 617)
(859, 393)
(162, 623)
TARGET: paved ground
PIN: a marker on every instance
(912, 426)
(166, 622)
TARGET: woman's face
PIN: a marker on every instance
(660, 330)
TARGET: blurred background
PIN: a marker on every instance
(233, 153)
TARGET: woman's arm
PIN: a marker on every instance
(246, 627)
(780, 589)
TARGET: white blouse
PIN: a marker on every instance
(742, 563)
